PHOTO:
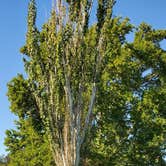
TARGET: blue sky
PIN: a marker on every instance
(12, 37)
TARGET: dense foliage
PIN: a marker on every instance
(28, 143)
(89, 93)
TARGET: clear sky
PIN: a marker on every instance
(12, 37)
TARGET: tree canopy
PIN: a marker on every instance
(90, 95)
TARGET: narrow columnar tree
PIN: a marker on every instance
(64, 71)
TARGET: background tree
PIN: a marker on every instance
(130, 126)
(3, 160)
(28, 143)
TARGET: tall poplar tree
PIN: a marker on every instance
(64, 71)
